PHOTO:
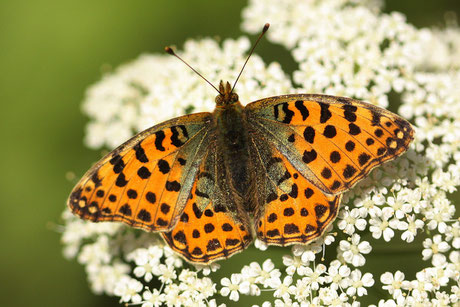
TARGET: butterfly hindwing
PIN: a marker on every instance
(145, 182)
(212, 225)
(291, 209)
(332, 141)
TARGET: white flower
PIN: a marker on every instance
(411, 228)
(330, 297)
(128, 290)
(207, 269)
(260, 245)
(233, 287)
(338, 275)
(293, 264)
(249, 281)
(282, 290)
(145, 265)
(166, 273)
(351, 219)
(266, 275)
(153, 298)
(393, 283)
(301, 289)
(358, 282)
(381, 223)
(434, 247)
(352, 252)
(314, 277)
(399, 205)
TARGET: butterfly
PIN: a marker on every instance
(210, 183)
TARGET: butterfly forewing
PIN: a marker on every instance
(146, 181)
(332, 141)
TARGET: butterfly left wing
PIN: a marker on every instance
(212, 225)
(331, 141)
(146, 181)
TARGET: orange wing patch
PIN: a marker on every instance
(144, 182)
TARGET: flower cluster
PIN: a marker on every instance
(342, 47)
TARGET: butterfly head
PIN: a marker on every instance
(226, 95)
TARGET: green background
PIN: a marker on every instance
(50, 52)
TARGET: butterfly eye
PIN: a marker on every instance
(234, 97)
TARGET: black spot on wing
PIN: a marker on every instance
(308, 193)
(165, 208)
(330, 131)
(353, 129)
(121, 180)
(309, 134)
(159, 138)
(140, 153)
(151, 197)
(95, 178)
(132, 194)
(299, 104)
(144, 215)
(350, 146)
(172, 186)
(118, 164)
(349, 112)
(273, 233)
(163, 166)
(272, 217)
(335, 156)
(213, 244)
(376, 117)
(143, 172)
(320, 210)
(325, 113)
(291, 228)
(288, 114)
(184, 217)
(349, 171)
(309, 156)
(180, 237)
(177, 135)
(125, 210)
(363, 158)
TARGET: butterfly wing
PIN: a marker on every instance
(146, 181)
(213, 224)
(331, 141)
(290, 208)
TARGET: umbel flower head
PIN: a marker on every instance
(342, 47)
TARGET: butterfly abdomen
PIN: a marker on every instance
(232, 138)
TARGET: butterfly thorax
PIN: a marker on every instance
(232, 141)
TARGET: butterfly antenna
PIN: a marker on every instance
(171, 52)
(265, 29)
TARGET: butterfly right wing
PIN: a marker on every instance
(146, 181)
(290, 209)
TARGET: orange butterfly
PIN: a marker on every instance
(211, 182)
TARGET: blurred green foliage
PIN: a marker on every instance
(50, 52)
